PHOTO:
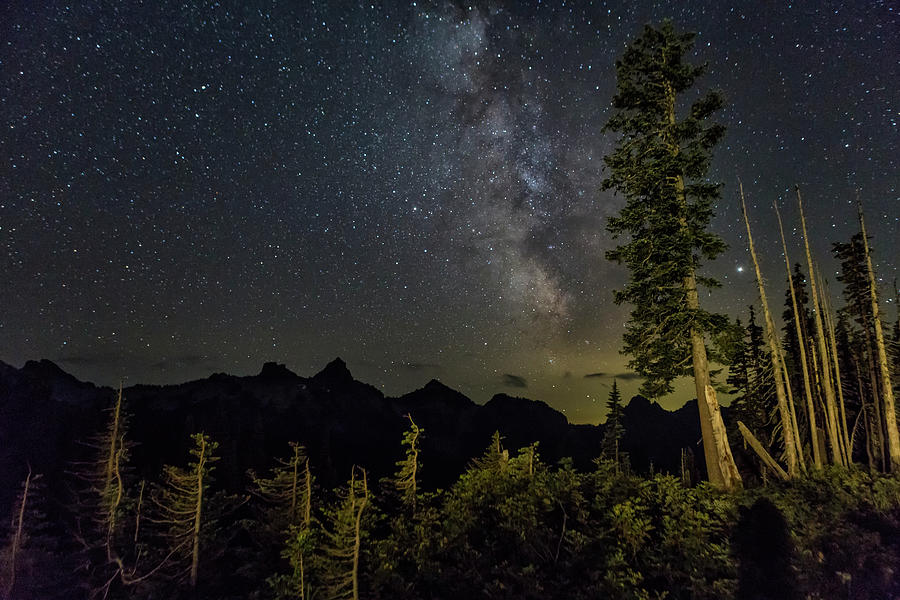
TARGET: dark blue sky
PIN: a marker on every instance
(197, 187)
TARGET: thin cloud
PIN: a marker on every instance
(183, 360)
(90, 360)
(515, 381)
(624, 376)
(416, 366)
(628, 376)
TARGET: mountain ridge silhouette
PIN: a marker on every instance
(46, 414)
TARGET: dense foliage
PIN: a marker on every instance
(659, 165)
(511, 526)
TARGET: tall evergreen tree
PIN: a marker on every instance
(343, 546)
(495, 458)
(798, 367)
(791, 344)
(859, 410)
(31, 562)
(858, 292)
(17, 577)
(182, 502)
(615, 429)
(285, 513)
(10, 555)
(660, 165)
(739, 364)
(751, 379)
(102, 504)
(853, 275)
(287, 493)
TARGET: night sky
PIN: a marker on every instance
(203, 187)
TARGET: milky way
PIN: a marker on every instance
(200, 187)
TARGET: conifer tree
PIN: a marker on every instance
(11, 555)
(344, 539)
(300, 550)
(182, 502)
(791, 323)
(527, 460)
(615, 429)
(495, 458)
(858, 293)
(30, 563)
(102, 503)
(750, 376)
(660, 165)
(287, 514)
(860, 413)
(102, 479)
(288, 492)
(854, 277)
(797, 325)
(407, 478)
(739, 364)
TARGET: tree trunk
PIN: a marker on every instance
(827, 386)
(873, 389)
(295, 465)
(357, 537)
(761, 451)
(701, 380)
(137, 514)
(307, 511)
(801, 344)
(198, 512)
(16, 543)
(112, 457)
(722, 471)
(887, 392)
(790, 401)
(726, 461)
(787, 424)
(866, 413)
(829, 326)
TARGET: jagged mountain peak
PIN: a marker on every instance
(45, 367)
(335, 372)
(273, 370)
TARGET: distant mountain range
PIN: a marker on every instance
(46, 415)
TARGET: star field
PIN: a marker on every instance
(197, 187)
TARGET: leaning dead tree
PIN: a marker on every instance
(788, 428)
(831, 418)
(887, 392)
(761, 451)
(801, 345)
(835, 363)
